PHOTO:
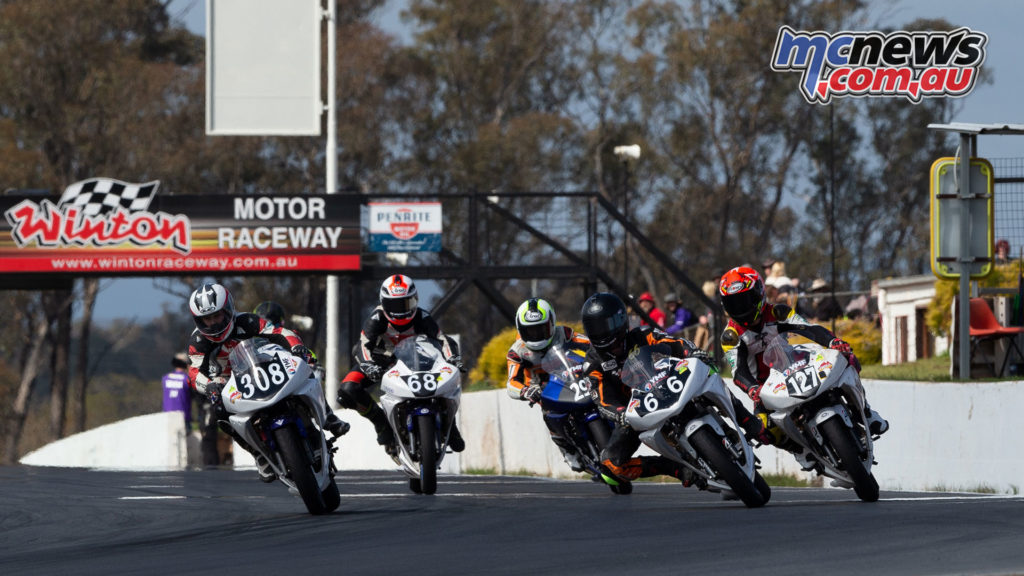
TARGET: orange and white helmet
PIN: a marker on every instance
(398, 299)
(742, 292)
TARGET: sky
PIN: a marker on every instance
(999, 102)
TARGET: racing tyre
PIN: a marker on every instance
(709, 446)
(300, 468)
(426, 432)
(846, 447)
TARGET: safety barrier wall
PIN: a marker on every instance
(944, 436)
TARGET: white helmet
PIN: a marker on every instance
(213, 311)
(535, 322)
(398, 299)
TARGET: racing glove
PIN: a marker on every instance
(846, 350)
(306, 354)
(620, 417)
(530, 393)
(840, 345)
(372, 371)
(457, 361)
(702, 355)
(755, 394)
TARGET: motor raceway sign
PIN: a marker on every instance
(105, 226)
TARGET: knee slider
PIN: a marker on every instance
(347, 392)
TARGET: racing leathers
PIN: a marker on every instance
(526, 381)
(374, 355)
(744, 349)
(612, 396)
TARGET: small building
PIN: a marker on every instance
(902, 306)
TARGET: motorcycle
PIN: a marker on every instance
(816, 398)
(567, 404)
(683, 411)
(420, 395)
(276, 404)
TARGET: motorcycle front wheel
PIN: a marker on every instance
(709, 446)
(425, 432)
(300, 469)
(845, 444)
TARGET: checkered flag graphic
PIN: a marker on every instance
(101, 196)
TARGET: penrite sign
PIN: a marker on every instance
(405, 226)
(105, 226)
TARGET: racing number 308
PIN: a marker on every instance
(262, 377)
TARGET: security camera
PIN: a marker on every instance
(628, 152)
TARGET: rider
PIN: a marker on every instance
(537, 333)
(274, 313)
(270, 311)
(606, 324)
(752, 322)
(218, 331)
(397, 317)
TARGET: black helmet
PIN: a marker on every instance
(271, 311)
(606, 323)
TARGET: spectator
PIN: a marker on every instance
(680, 316)
(823, 305)
(177, 392)
(766, 267)
(1002, 251)
(647, 303)
(777, 277)
(857, 307)
(706, 321)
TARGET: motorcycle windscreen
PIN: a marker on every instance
(260, 368)
(644, 364)
(566, 382)
(420, 353)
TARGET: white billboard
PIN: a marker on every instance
(263, 67)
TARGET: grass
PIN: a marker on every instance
(935, 369)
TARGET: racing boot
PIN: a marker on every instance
(455, 440)
(336, 426)
(755, 428)
(777, 437)
(876, 424)
(385, 437)
(264, 470)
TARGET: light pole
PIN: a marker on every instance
(625, 154)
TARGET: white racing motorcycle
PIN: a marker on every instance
(817, 399)
(683, 410)
(420, 395)
(275, 402)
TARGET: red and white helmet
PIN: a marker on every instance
(398, 299)
(742, 292)
(213, 311)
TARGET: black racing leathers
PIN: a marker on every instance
(612, 396)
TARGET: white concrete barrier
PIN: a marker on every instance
(944, 436)
(154, 441)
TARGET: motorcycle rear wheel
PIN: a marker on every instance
(300, 469)
(845, 444)
(709, 446)
(425, 431)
